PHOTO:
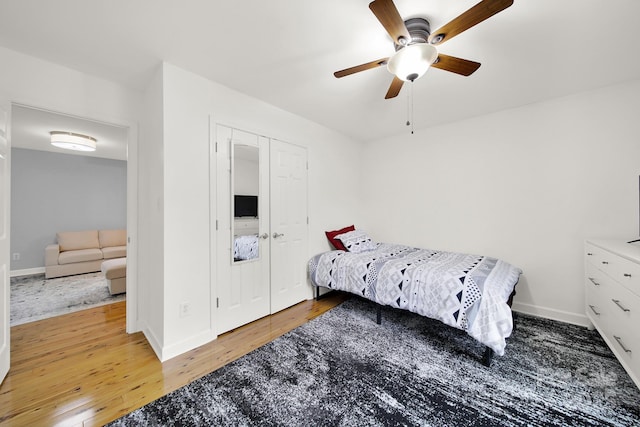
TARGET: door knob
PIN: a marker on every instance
(264, 236)
(276, 235)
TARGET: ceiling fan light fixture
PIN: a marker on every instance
(412, 61)
(72, 141)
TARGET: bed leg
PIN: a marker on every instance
(486, 358)
(379, 315)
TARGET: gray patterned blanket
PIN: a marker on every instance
(468, 292)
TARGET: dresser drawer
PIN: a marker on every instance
(593, 255)
(245, 226)
(625, 305)
(595, 278)
(622, 326)
(597, 286)
(626, 346)
(624, 272)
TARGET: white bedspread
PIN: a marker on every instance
(469, 292)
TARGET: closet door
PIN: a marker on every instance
(243, 260)
(289, 228)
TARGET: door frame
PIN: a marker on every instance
(132, 323)
(5, 236)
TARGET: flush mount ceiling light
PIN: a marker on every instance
(73, 141)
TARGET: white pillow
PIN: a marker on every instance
(357, 241)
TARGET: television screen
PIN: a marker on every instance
(245, 206)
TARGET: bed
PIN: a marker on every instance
(245, 247)
(469, 292)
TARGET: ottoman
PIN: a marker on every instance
(115, 270)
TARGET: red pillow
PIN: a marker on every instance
(331, 235)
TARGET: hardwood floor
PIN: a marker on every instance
(83, 369)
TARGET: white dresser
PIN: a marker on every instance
(245, 226)
(612, 280)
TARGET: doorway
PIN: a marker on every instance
(34, 222)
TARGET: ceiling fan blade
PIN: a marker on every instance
(390, 18)
(478, 13)
(464, 67)
(394, 89)
(362, 67)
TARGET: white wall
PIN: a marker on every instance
(527, 185)
(37, 83)
(187, 256)
(151, 215)
(34, 82)
(53, 192)
(189, 101)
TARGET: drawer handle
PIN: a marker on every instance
(605, 262)
(617, 302)
(594, 281)
(589, 253)
(626, 350)
(626, 275)
(594, 310)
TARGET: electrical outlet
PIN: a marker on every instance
(16, 256)
(185, 309)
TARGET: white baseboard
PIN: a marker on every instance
(153, 341)
(188, 344)
(165, 353)
(579, 319)
(26, 272)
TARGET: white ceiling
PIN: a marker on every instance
(30, 129)
(285, 52)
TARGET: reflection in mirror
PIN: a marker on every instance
(245, 193)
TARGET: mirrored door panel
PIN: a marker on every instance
(245, 170)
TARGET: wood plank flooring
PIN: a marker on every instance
(83, 369)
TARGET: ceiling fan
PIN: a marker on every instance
(414, 43)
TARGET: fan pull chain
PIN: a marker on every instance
(410, 108)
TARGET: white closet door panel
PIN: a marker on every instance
(242, 286)
(288, 225)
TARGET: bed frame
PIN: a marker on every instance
(488, 354)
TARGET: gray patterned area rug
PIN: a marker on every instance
(35, 298)
(342, 369)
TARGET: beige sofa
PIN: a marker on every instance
(80, 252)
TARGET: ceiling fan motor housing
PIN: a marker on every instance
(419, 30)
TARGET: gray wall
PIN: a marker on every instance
(53, 192)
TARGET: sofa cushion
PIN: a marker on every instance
(114, 252)
(109, 238)
(74, 240)
(81, 255)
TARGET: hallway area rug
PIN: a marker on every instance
(342, 369)
(35, 298)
